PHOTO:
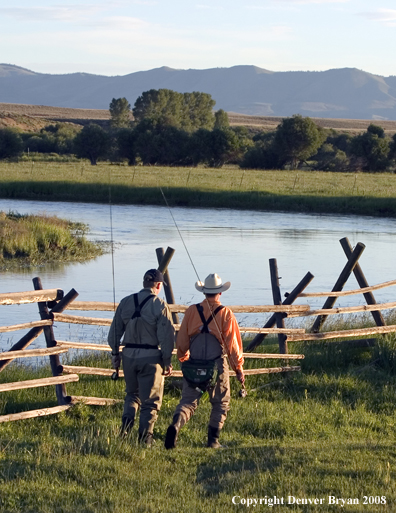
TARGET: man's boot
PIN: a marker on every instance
(173, 431)
(126, 426)
(213, 437)
(146, 438)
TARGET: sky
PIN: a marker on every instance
(118, 37)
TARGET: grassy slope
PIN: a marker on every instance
(298, 191)
(328, 431)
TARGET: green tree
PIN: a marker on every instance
(160, 106)
(200, 146)
(296, 139)
(244, 143)
(221, 119)
(162, 145)
(197, 111)
(56, 138)
(188, 111)
(392, 147)
(262, 155)
(340, 141)
(223, 146)
(330, 158)
(120, 112)
(126, 144)
(92, 143)
(372, 148)
(376, 130)
(11, 144)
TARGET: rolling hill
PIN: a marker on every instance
(346, 93)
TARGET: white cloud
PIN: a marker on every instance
(314, 1)
(385, 16)
(65, 13)
(120, 23)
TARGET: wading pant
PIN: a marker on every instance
(219, 397)
(144, 388)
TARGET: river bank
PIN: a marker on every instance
(229, 187)
(36, 239)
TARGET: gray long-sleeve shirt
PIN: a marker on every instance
(154, 327)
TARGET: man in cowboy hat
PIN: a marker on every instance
(149, 336)
(209, 331)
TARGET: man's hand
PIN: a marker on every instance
(115, 360)
(240, 376)
(167, 370)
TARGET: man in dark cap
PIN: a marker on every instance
(145, 323)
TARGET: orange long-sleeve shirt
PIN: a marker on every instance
(230, 337)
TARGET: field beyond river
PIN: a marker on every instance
(371, 194)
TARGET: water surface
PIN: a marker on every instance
(235, 244)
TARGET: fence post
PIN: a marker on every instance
(32, 334)
(163, 262)
(361, 279)
(290, 298)
(51, 342)
(343, 278)
(276, 294)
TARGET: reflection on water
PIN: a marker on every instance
(235, 244)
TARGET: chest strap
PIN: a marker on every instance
(207, 321)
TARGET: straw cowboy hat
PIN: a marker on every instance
(212, 285)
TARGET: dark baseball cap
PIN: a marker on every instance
(154, 275)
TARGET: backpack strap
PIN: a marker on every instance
(206, 322)
(138, 307)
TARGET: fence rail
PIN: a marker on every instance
(32, 296)
(63, 374)
(52, 303)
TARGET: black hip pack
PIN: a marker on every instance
(201, 371)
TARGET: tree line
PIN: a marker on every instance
(182, 129)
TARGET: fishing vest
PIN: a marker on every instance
(204, 345)
(136, 319)
(200, 370)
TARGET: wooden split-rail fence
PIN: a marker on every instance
(52, 304)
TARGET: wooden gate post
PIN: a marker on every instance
(288, 301)
(56, 366)
(276, 294)
(361, 279)
(163, 262)
(343, 278)
(32, 334)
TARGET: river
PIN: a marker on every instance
(235, 244)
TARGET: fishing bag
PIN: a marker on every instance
(200, 370)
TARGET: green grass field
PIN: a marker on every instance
(328, 431)
(228, 187)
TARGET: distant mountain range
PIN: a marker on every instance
(346, 93)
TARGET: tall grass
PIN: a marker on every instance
(228, 187)
(31, 239)
(327, 431)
